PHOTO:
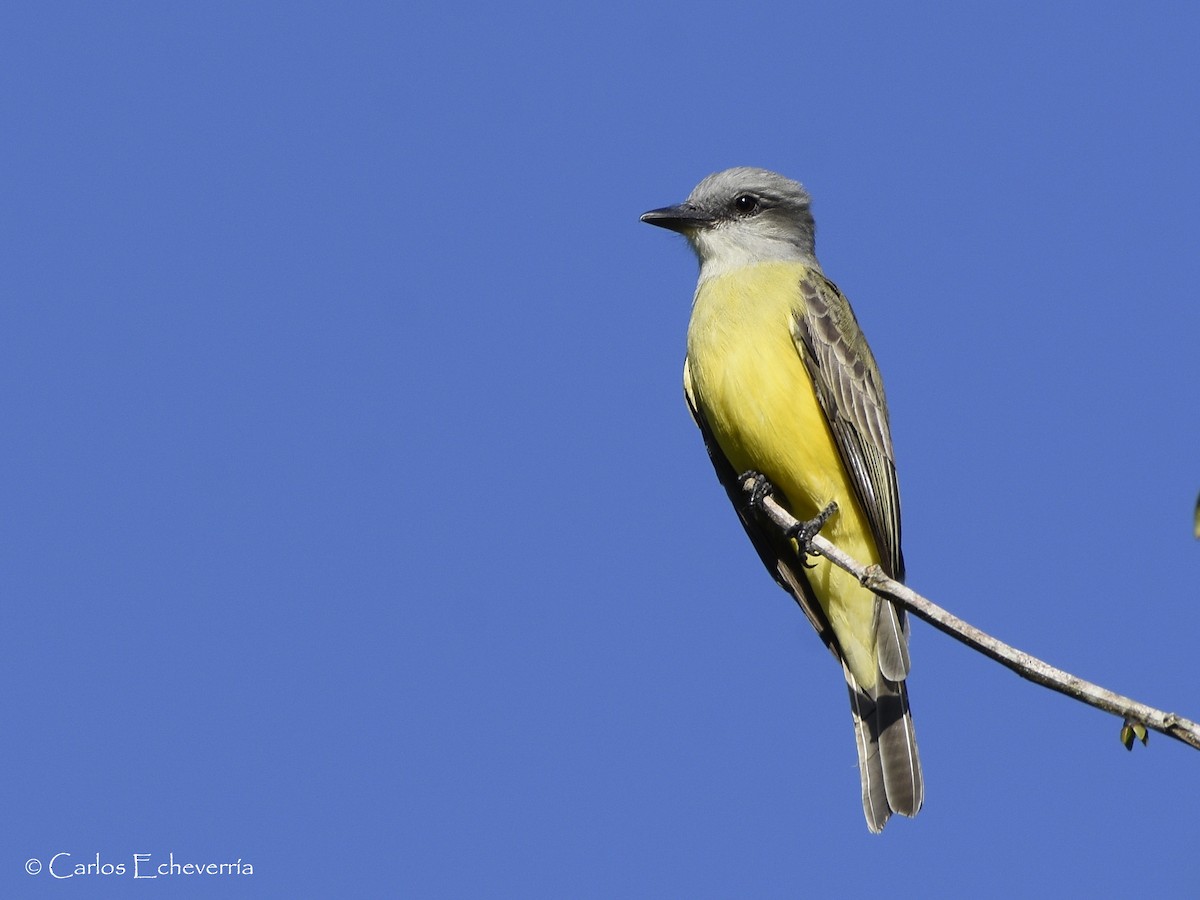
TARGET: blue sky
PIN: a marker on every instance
(353, 523)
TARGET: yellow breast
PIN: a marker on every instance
(752, 386)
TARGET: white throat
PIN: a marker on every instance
(726, 248)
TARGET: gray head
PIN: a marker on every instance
(743, 216)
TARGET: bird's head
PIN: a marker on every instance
(740, 217)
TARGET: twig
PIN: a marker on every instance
(1028, 667)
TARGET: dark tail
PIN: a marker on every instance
(887, 751)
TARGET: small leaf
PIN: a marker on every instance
(1131, 730)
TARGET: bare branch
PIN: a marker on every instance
(1029, 667)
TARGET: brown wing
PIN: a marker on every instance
(850, 391)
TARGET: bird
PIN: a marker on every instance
(784, 389)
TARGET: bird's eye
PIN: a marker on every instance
(746, 203)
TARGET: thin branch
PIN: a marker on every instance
(1028, 667)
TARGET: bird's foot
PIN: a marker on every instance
(804, 532)
(761, 490)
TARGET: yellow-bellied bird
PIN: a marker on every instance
(782, 384)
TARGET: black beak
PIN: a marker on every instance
(682, 218)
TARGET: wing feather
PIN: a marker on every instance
(849, 388)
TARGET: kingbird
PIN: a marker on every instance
(782, 385)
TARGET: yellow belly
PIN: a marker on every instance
(750, 383)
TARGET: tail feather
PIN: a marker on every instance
(902, 776)
(883, 729)
(870, 763)
(891, 640)
(888, 762)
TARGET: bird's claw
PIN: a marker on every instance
(804, 532)
(761, 490)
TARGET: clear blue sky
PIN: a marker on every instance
(353, 523)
